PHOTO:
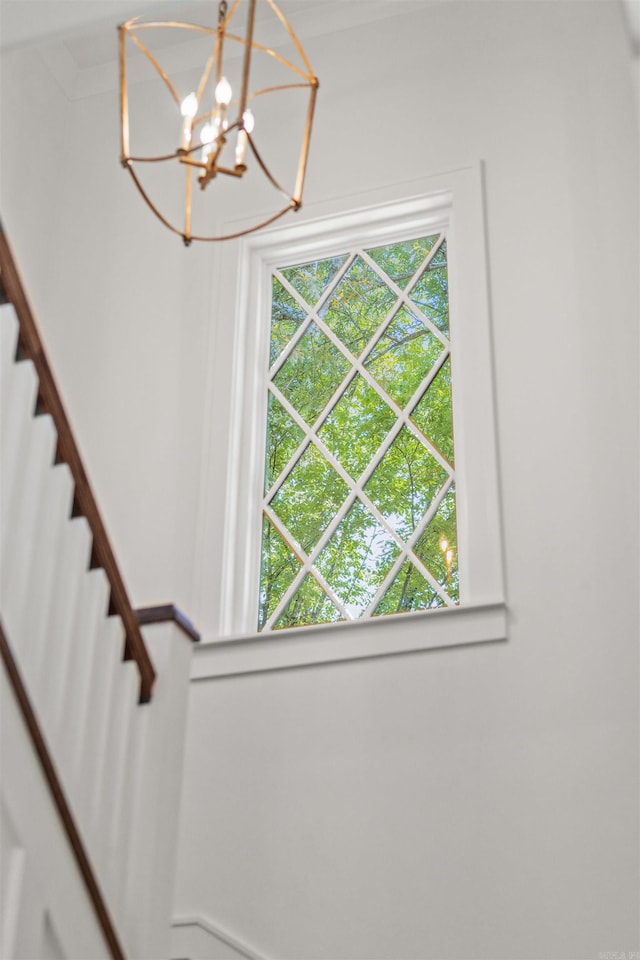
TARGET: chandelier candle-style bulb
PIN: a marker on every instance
(223, 92)
(248, 123)
(188, 109)
(239, 73)
(207, 136)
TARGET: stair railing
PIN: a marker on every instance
(84, 503)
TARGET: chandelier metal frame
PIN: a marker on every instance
(208, 169)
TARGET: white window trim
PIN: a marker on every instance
(453, 201)
(399, 633)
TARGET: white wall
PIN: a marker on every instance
(125, 311)
(473, 802)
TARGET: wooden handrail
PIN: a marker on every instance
(168, 613)
(84, 502)
(59, 799)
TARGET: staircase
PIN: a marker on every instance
(93, 704)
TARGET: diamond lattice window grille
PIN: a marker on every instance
(359, 511)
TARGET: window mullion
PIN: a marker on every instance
(415, 277)
(402, 414)
(325, 293)
(293, 587)
(408, 422)
(435, 453)
(374, 409)
(307, 561)
(382, 520)
(335, 599)
(406, 553)
(282, 530)
(312, 313)
(413, 283)
(302, 425)
(403, 295)
(386, 583)
(358, 485)
(329, 289)
(295, 548)
(333, 399)
(337, 342)
(342, 510)
(427, 262)
(434, 506)
(286, 352)
(420, 529)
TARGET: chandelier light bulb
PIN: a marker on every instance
(189, 106)
(248, 121)
(223, 92)
(207, 134)
(188, 109)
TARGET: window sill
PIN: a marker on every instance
(355, 640)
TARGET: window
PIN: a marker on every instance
(301, 371)
(359, 514)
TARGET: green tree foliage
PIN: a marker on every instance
(409, 591)
(357, 558)
(311, 373)
(309, 498)
(361, 413)
(402, 343)
(403, 356)
(434, 413)
(405, 482)
(309, 605)
(400, 261)
(358, 306)
(311, 279)
(283, 439)
(430, 291)
(279, 567)
(286, 317)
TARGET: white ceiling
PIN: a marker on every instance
(36, 22)
(24, 22)
(77, 38)
(32, 22)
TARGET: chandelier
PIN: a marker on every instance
(211, 128)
